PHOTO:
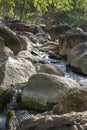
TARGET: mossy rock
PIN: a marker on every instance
(36, 106)
(9, 120)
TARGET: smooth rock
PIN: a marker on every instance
(74, 101)
(43, 91)
(14, 71)
(69, 121)
(27, 55)
(83, 82)
(77, 58)
(51, 69)
(10, 38)
(70, 40)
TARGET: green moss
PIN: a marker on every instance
(36, 106)
(9, 119)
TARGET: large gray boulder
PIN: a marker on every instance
(10, 38)
(14, 71)
(43, 91)
(69, 121)
(74, 101)
(51, 69)
(70, 40)
(77, 58)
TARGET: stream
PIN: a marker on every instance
(24, 114)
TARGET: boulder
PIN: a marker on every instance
(75, 30)
(69, 121)
(77, 58)
(50, 46)
(56, 30)
(25, 42)
(74, 101)
(42, 37)
(27, 55)
(5, 52)
(20, 26)
(70, 40)
(43, 91)
(11, 39)
(51, 69)
(83, 82)
(29, 35)
(14, 71)
(8, 52)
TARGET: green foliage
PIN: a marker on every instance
(35, 10)
(57, 4)
(71, 18)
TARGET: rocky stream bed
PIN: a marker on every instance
(24, 114)
(43, 83)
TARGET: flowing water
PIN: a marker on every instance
(24, 114)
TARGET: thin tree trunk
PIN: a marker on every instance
(22, 10)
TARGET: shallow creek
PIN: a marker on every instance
(24, 114)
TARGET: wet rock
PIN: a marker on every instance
(43, 91)
(69, 121)
(83, 82)
(11, 39)
(70, 40)
(14, 71)
(2, 121)
(74, 101)
(54, 56)
(42, 37)
(77, 58)
(51, 69)
(50, 46)
(27, 55)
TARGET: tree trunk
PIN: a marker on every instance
(22, 10)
